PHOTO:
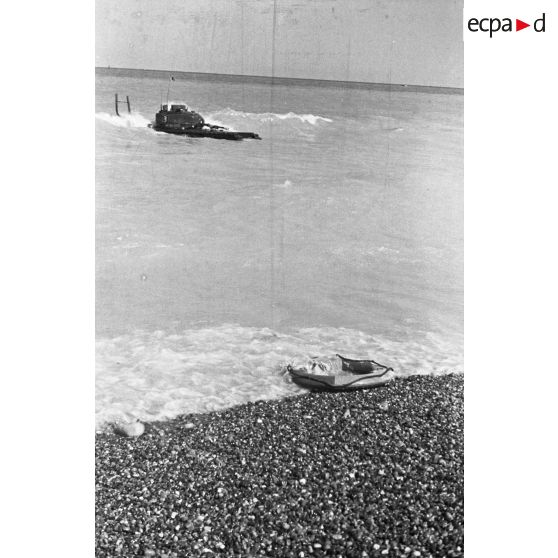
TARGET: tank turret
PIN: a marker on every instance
(177, 117)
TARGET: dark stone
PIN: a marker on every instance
(345, 504)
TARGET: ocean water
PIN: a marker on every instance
(219, 262)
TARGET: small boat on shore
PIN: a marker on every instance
(354, 374)
(339, 382)
(178, 119)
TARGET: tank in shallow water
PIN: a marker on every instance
(179, 119)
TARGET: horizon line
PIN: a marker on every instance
(277, 80)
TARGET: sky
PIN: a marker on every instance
(415, 42)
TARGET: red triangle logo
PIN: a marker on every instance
(519, 25)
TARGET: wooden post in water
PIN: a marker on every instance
(116, 101)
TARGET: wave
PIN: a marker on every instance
(159, 375)
(133, 120)
(227, 118)
(269, 116)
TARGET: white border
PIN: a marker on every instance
(510, 284)
(47, 278)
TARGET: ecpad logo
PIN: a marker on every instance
(493, 25)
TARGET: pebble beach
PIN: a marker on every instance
(365, 473)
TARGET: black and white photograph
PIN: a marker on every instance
(279, 285)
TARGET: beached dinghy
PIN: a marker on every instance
(361, 374)
(180, 120)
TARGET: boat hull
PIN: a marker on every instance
(341, 382)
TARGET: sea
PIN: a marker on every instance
(218, 263)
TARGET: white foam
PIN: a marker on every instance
(309, 118)
(158, 375)
(133, 120)
(269, 116)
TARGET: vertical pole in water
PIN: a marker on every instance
(128, 103)
(116, 104)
